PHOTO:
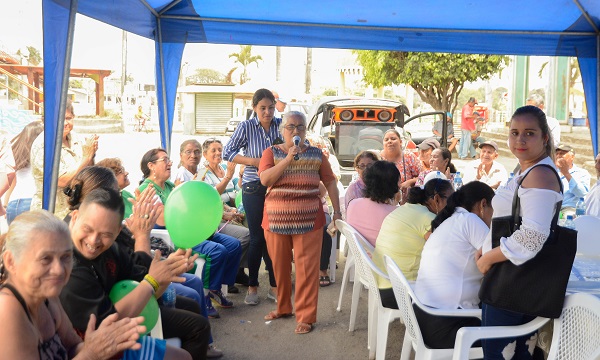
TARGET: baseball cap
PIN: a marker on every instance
(430, 142)
(565, 147)
(489, 143)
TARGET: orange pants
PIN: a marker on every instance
(307, 254)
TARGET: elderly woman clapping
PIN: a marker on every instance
(294, 218)
(37, 258)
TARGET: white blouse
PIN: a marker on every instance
(537, 207)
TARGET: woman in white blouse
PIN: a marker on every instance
(448, 277)
(530, 141)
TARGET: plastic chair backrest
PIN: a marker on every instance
(404, 295)
(588, 242)
(363, 242)
(577, 332)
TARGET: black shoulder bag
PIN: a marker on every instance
(536, 287)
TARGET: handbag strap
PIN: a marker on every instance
(517, 202)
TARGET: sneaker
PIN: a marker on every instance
(220, 299)
(211, 311)
(252, 299)
(213, 352)
(272, 295)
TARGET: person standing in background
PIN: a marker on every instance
(467, 126)
(538, 101)
(246, 147)
(76, 153)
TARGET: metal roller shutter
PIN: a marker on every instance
(213, 111)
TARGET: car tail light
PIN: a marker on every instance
(384, 116)
(346, 115)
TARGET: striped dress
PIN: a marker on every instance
(292, 204)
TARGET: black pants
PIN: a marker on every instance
(326, 248)
(439, 332)
(186, 323)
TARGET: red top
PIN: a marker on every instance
(467, 123)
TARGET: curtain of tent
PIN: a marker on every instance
(58, 26)
(589, 76)
(168, 63)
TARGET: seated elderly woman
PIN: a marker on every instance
(222, 252)
(36, 262)
(381, 191)
(448, 276)
(356, 189)
(223, 179)
(404, 232)
(441, 160)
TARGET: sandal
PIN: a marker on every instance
(274, 315)
(324, 281)
(303, 328)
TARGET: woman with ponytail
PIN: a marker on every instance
(448, 276)
(405, 230)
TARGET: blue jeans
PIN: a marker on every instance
(193, 288)
(253, 197)
(222, 254)
(493, 348)
(465, 148)
(16, 207)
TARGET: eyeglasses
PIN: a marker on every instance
(209, 141)
(190, 152)
(291, 127)
(164, 158)
(364, 166)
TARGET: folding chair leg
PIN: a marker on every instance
(354, 306)
(333, 257)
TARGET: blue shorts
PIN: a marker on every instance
(152, 348)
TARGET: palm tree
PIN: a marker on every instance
(245, 58)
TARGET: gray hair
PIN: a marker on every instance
(18, 237)
(537, 99)
(291, 114)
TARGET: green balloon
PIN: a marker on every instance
(150, 311)
(238, 199)
(193, 213)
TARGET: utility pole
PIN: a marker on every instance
(277, 63)
(308, 73)
(123, 68)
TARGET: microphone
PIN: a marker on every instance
(296, 143)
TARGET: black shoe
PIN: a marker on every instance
(241, 278)
(232, 289)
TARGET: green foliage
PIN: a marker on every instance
(206, 76)
(245, 58)
(35, 57)
(75, 84)
(330, 92)
(438, 78)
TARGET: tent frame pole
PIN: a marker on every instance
(62, 109)
(165, 128)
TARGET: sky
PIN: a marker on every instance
(98, 46)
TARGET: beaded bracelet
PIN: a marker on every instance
(152, 281)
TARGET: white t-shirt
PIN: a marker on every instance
(497, 173)
(183, 175)
(554, 126)
(448, 277)
(25, 187)
(592, 201)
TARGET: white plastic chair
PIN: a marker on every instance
(588, 242)
(576, 333)
(379, 316)
(347, 230)
(413, 339)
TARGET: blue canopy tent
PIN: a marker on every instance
(512, 27)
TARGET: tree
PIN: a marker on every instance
(33, 56)
(206, 76)
(75, 84)
(245, 58)
(438, 78)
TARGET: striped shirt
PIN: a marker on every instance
(252, 139)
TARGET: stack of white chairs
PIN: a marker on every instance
(379, 316)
